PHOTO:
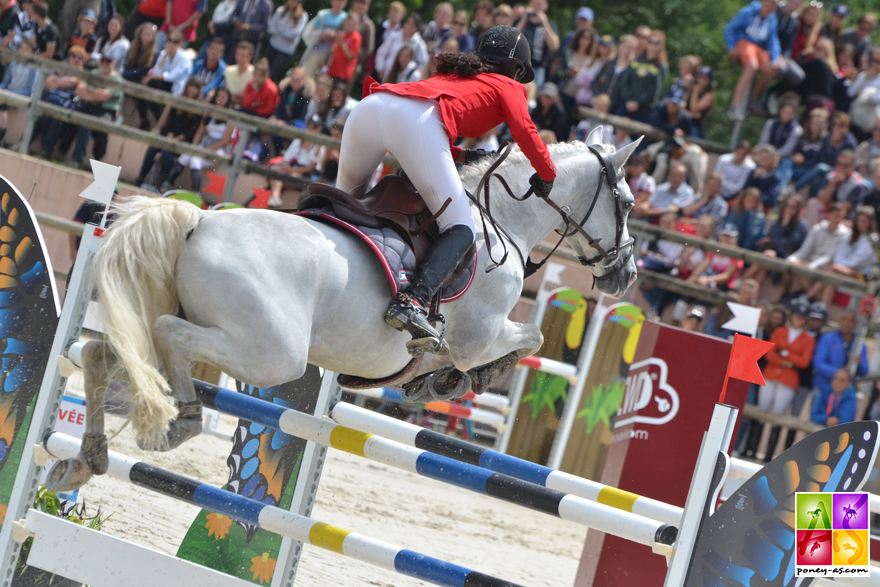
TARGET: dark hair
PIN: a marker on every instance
(856, 233)
(105, 36)
(797, 217)
(416, 18)
(396, 68)
(213, 101)
(41, 9)
(246, 45)
(462, 64)
(218, 40)
(636, 159)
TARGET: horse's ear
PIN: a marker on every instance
(595, 136)
(620, 156)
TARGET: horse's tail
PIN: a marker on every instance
(134, 274)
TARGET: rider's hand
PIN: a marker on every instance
(542, 187)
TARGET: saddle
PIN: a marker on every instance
(394, 203)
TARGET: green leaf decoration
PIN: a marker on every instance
(544, 391)
(601, 404)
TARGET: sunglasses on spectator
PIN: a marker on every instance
(77, 57)
(175, 41)
(839, 124)
(459, 23)
(655, 42)
(642, 36)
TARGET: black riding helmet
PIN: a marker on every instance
(508, 48)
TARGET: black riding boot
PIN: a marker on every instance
(756, 428)
(408, 310)
(771, 445)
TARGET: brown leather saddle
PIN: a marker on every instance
(394, 203)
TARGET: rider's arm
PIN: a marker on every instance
(516, 113)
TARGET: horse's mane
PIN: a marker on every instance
(558, 151)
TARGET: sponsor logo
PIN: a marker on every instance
(649, 399)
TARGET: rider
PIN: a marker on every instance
(418, 122)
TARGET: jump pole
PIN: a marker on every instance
(277, 520)
(486, 400)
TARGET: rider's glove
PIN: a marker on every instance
(542, 187)
(472, 156)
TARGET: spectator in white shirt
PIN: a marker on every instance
(640, 183)
(407, 35)
(671, 196)
(820, 246)
(285, 28)
(854, 256)
(734, 169)
(170, 73)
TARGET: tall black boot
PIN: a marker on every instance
(756, 429)
(408, 310)
(771, 445)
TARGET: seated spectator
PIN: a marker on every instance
(734, 169)
(436, 31)
(843, 185)
(466, 42)
(765, 177)
(660, 256)
(748, 218)
(344, 51)
(868, 153)
(865, 94)
(835, 404)
(692, 256)
(60, 91)
(854, 257)
(285, 29)
(710, 202)
(176, 124)
(805, 158)
(261, 93)
(640, 183)
(237, 76)
(405, 68)
(641, 82)
(84, 36)
(752, 41)
(548, 113)
(113, 43)
(45, 32)
(839, 139)
(294, 98)
(820, 77)
(747, 295)
(299, 160)
(873, 198)
(692, 320)
(699, 100)
(820, 246)
(716, 270)
(214, 135)
(669, 117)
(18, 79)
(671, 196)
(783, 132)
(101, 102)
(607, 81)
(211, 69)
(320, 100)
(601, 103)
(330, 162)
(250, 20)
(786, 236)
(407, 35)
(170, 74)
(141, 54)
(808, 31)
(337, 108)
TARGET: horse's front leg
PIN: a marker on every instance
(71, 474)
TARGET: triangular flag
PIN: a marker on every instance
(743, 363)
(101, 190)
(370, 86)
(261, 198)
(745, 319)
(216, 184)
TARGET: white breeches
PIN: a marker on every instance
(775, 397)
(198, 163)
(412, 130)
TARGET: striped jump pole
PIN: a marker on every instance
(454, 448)
(493, 419)
(537, 363)
(487, 400)
(279, 521)
(601, 517)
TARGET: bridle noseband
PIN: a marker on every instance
(571, 227)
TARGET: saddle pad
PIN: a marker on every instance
(396, 256)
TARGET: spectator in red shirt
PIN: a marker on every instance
(344, 51)
(147, 11)
(471, 94)
(261, 93)
(183, 16)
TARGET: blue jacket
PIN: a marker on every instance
(844, 406)
(30, 83)
(748, 25)
(752, 226)
(211, 81)
(829, 356)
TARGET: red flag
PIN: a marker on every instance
(743, 363)
(216, 183)
(261, 198)
(370, 86)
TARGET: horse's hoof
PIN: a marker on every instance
(413, 391)
(449, 385)
(419, 346)
(68, 475)
(179, 431)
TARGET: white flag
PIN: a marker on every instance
(745, 319)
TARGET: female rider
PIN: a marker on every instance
(417, 122)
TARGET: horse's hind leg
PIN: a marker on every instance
(71, 474)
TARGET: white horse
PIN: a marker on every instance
(260, 295)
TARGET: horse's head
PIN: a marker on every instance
(604, 244)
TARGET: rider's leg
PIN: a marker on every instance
(362, 149)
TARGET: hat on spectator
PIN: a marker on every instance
(88, 14)
(800, 308)
(585, 13)
(549, 89)
(675, 95)
(316, 120)
(730, 230)
(707, 71)
(606, 40)
(695, 313)
(840, 10)
(818, 310)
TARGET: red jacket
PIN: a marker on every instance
(471, 106)
(800, 353)
(261, 103)
(341, 66)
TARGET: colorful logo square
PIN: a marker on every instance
(850, 548)
(814, 511)
(850, 511)
(814, 548)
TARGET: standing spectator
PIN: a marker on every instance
(548, 113)
(502, 15)
(141, 54)
(285, 29)
(783, 132)
(152, 11)
(170, 74)
(405, 68)
(710, 202)
(793, 351)
(746, 215)
(833, 29)
(251, 19)
(45, 32)
(819, 247)
(835, 404)
(466, 42)
(367, 29)
(13, 19)
(799, 166)
(71, 12)
(787, 18)
(815, 322)
(669, 117)
(220, 24)
(641, 82)
(542, 35)
(820, 77)
(765, 177)
(320, 97)
(860, 38)
(182, 16)
(211, 68)
(833, 352)
(237, 76)
(838, 140)
(583, 19)
(100, 102)
(482, 19)
(319, 35)
(809, 26)
(671, 196)
(60, 91)
(344, 51)
(396, 12)
(261, 94)
(299, 160)
(85, 36)
(438, 29)
(700, 99)
(292, 103)
(641, 184)
(660, 256)
(786, 236)
(580, 55)
(337, 108)
(734, 169)
(18, 79)
(843, 184)
(407, 35)
(752, 41)
(607, 81)
(643, 34)
(113, 43)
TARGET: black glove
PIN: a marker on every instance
(542, 187)
(472, 156)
